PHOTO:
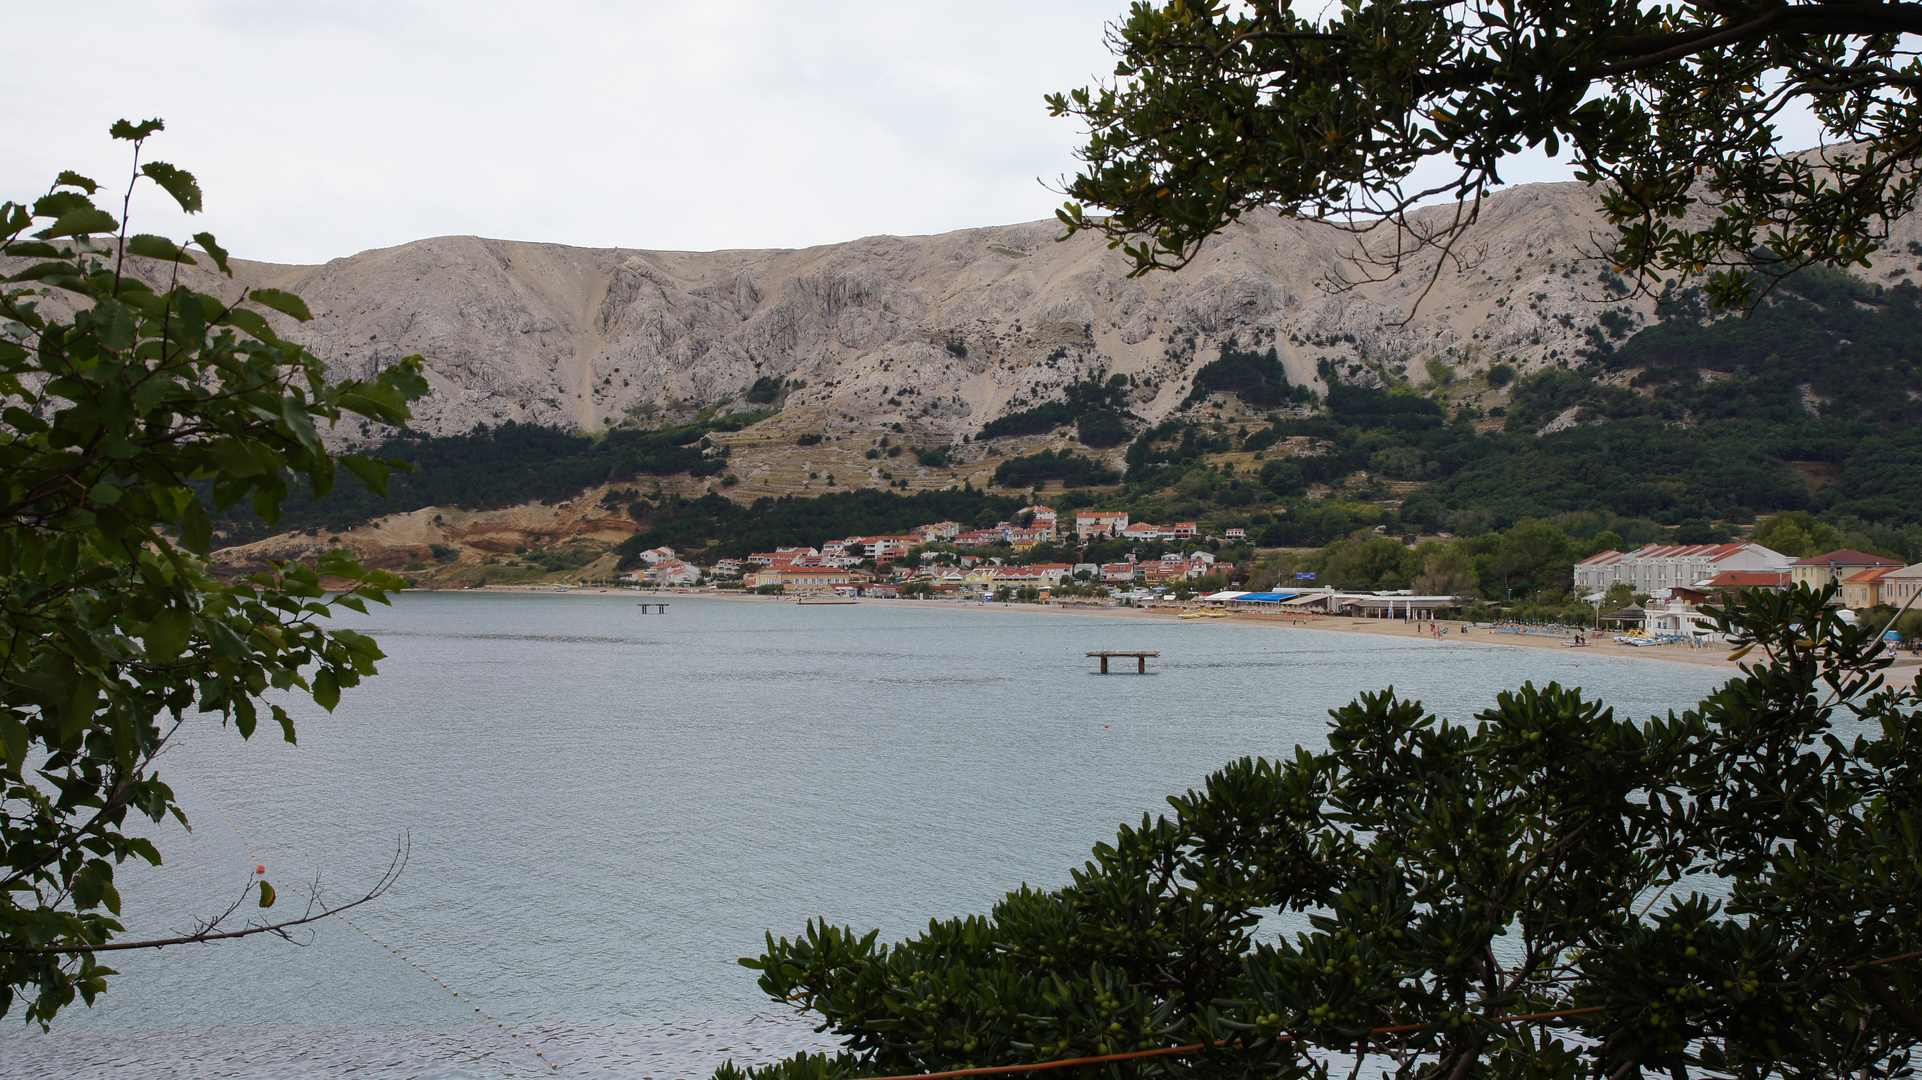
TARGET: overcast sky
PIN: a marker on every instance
(322, 129)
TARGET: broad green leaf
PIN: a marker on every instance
(286, 723)
(57, 203)
(168, 633)
(13, 742)
(254, 323)
(132, 132)
(196, 531)
(219, 254)
(150, 246)
(69, 178)
(372, 474)
(179, 183)
(294, 412)
(266, 895)
(82, 222)
(284, 302)
(326, 690)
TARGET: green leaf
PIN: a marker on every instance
(149, 246)
(372, 474)
(266, 895)
(284, 302)
(196, 531)
(13, 742)
(207, 244)
(104, 492)
(69, 178)
(167, 634)
(32, 249)
(132, 132)
(326, 690)
(179, 183)
(252, 322)
(81, 222)
(55, 203)
(286, 724)
(293, 413)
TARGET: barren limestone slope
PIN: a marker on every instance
(943, 333)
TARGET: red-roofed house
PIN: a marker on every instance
(1830, 568)
(1026, 539)
(939, 532)
(1864, 589)
(1099, 523)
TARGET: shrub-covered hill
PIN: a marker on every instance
(1694, 419)
(489, 468)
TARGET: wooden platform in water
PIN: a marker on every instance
(1141, 659)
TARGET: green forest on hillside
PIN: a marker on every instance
(495, 467)
(722, 528)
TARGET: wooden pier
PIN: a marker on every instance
(1141, 660)
(663, 608)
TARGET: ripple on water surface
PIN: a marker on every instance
(607, 809)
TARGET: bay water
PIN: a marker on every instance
(605, 809)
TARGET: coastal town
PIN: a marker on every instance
(1670, 586)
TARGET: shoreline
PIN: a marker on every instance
(1906, 671)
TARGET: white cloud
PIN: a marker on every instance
(319, 130)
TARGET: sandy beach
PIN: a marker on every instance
(1904, 673)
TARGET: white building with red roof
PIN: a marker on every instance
(1089, 523)
(1655, 567)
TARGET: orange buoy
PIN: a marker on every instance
(260, 869)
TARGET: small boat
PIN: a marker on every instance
(827, 600)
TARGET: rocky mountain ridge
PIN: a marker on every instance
(939, 334)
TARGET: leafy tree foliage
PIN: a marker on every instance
(1066, 466)
(1709, 893)
(507, 465)
(1257, 378)
(128, 398)
(1100, 428)
(1358, 113)
(1077, 400)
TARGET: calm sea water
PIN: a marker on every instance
(607, 809)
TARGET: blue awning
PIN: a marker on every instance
(1265, 597)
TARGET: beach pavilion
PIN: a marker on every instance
(1394, 605)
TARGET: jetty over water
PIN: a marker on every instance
(1141, 660)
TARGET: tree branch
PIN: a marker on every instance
(209, 931)
(1817, 19)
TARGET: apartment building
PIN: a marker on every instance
(1656, 567)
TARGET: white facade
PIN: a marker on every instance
(1656, 567)
(1900, 587)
